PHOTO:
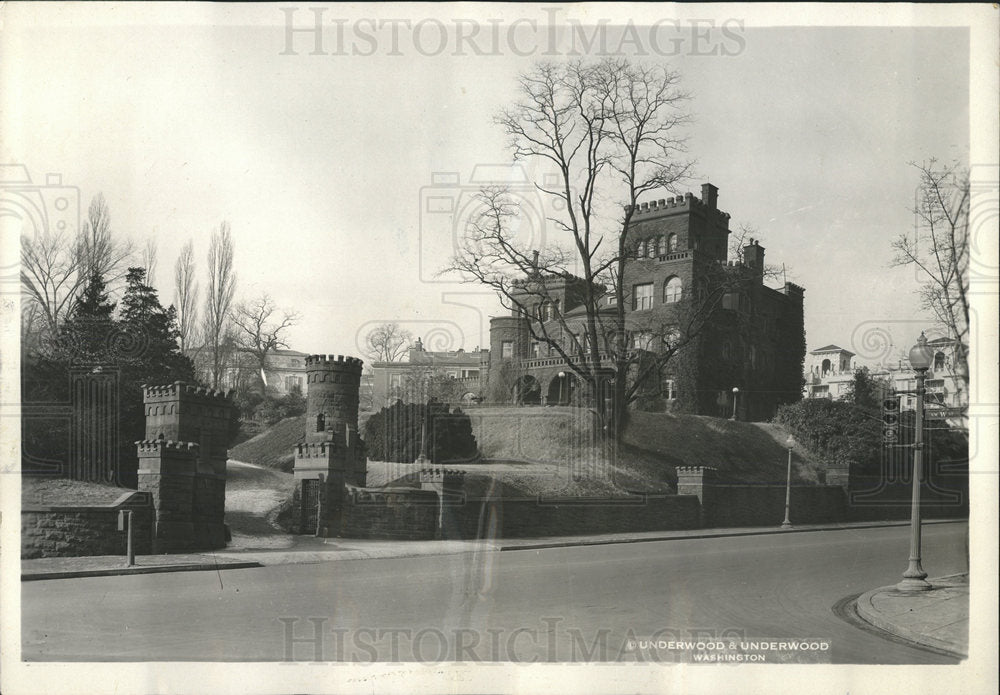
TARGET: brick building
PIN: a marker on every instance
(751, 338)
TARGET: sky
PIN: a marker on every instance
(323, 157)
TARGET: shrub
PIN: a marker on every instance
(395, 433)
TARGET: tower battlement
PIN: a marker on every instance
(314, 449)
(183, 391)
(338, 362)
(665, 206)
(150, 447)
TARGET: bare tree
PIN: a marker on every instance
(939, 250)
(260, 328)
(387, 342)
(52, 275)
(611, 131)
(55, 266)
(186, 295)
(149, 260)
(102, 254)
(218, 301)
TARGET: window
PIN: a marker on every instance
(292, 383)
(661, 246)
(672, 243)
(642, 296)
(673, 290)
(506, 349)
(536, 349)
(669, 389)
(642, 341)
(939, 361)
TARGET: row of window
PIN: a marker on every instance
(642, 295)
(547, 310)
(657, 246)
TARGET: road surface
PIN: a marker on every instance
(625, 602)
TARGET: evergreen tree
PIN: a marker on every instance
(87, 335)
(147, 352)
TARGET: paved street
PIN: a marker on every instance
(555, 604)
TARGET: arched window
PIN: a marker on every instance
(673, 290)
(825, 369)
(939, 361)
(647, 248)
(661, 246)
(671, 243)
(320, 422)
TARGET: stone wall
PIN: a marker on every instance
(68, 531)
(764, 505)
(387, 513)
(525, 518)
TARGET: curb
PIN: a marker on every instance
(867, 612)
(725, 534)
(156, 569)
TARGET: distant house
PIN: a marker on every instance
(284, 372)
(396, 380)
(830, 370)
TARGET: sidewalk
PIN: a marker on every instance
(937, 618)
(108, 565)
(308, 549)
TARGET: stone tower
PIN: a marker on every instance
(182, 463)
(332, 454)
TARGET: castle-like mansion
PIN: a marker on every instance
(747, 351)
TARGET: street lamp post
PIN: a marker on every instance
(736, 394)
(790, 442)
(562, 376)
(915, 578)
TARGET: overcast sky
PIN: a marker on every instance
(184, 117)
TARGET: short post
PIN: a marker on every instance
(736, 394)
(790, 442)
(125, 524)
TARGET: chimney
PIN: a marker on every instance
(753, 257)
(710, 196)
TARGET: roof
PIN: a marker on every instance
(830, 348)
(424, 357)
